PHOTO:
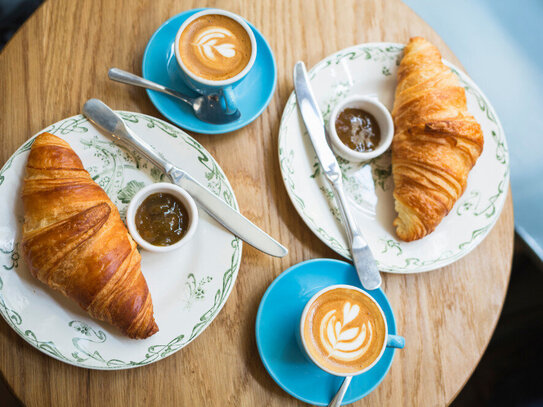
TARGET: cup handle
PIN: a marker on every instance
(395, 341)
(228, 100)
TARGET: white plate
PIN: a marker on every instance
(188, 286)
(371, 69)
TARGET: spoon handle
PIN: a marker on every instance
(338, 398)
(118, 75)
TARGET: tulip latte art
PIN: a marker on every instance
(344, 330)
(215, 47)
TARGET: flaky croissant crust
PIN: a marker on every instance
(75, 241)
(436, 141)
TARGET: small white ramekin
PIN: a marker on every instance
(372, 105)
(176, 191)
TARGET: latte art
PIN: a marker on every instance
(342, 342)
(344, 330)
(215, 47)
(214, 42)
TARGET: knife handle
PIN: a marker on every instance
(105, 118)
(362, 257)
(118, 75)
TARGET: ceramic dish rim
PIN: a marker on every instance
(145, 192)
(125, 367)
(302, 324)
(223, 128)
(259, 319)
(394, 270)
(223, 82)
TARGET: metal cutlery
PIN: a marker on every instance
(363, 259)
(107, 120)
(338, 398)
(206, 108)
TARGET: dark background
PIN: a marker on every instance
(509, 373)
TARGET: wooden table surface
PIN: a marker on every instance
(60, 58)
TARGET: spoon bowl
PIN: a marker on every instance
(206, 108)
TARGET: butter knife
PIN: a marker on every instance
(107, 120)
(363, 259)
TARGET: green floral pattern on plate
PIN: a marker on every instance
(121, 173)
(378, 62)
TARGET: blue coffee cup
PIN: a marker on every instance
(391, 341)
(224, 89)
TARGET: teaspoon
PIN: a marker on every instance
(338, 398)
(206, 108)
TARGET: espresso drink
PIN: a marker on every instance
(215, 47)
(344, 330)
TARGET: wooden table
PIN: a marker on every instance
(60, 58)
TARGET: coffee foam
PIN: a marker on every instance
(215, 47)
(344, 330)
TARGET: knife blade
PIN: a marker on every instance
(107, 120)
(363, 259)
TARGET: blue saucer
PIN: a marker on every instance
(278, 319)
(159, 65)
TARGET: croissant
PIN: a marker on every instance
(75, 241)
(436, 141)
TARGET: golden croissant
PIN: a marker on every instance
(436, 141)
(75, 241)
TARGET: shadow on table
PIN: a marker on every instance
(13, 13)
(509, 373)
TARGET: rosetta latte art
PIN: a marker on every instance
(215, 40)
(339, 340)
(215, 47)
(344, 330)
